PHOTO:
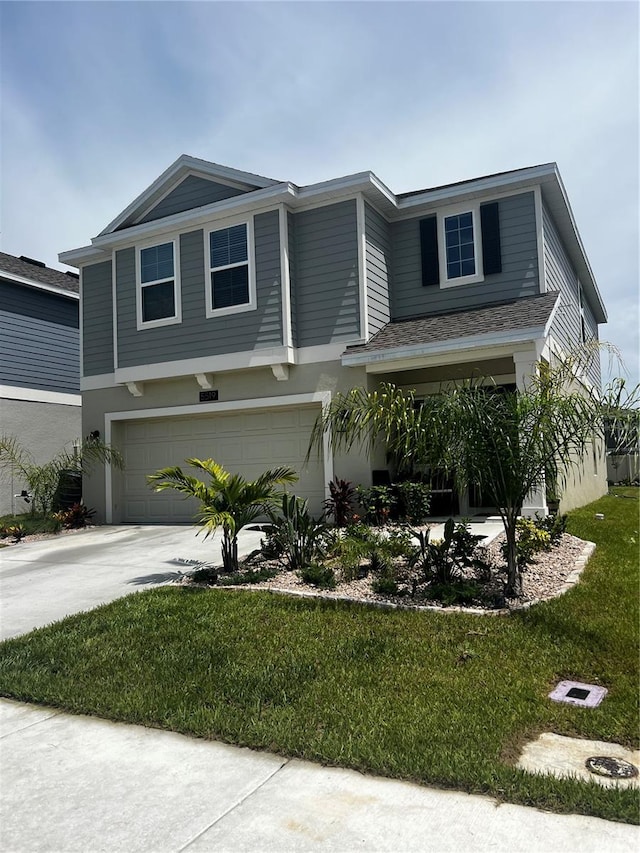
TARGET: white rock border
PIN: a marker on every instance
(571, 580)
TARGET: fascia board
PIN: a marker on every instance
(84, 255)
(521, 177)
(456, 344)
(183, 166)
(39, 285)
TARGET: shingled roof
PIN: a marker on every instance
(36, 271)
(520, 314)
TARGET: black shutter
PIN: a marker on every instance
(429, 251)
(490, 226)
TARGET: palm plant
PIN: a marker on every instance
(43, 480)
(505, 443)
(228, 500)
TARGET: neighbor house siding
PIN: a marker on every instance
(326, 252)
(378, 265)
(190, 193)
(197, 335)
(39, 340)
(97, 319)
(519, 276)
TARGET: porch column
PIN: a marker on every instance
(525, 366)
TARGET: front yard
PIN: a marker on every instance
(440, 698)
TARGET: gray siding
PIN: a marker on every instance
(192, 192)
(519, 276)
(566, 328)
(326, 252)
(97, 319)
(378, 266)
(39, 340)
(291, 228)
(197, 335)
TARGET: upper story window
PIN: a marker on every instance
(460, 257)
(231, 274)
(158, 295)
(459, 245)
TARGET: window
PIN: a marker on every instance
(231, 287)
(459, 245)
(158, 292)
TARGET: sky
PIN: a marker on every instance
(97, 99)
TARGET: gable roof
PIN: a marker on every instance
(527, 316)
(34, 273)
(180, 169)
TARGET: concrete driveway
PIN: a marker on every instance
(41, 582)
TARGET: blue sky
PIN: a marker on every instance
(97, 99)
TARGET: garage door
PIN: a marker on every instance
(243, 442)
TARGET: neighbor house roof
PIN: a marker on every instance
(28, 271)
(529, 316)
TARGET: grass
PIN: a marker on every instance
(439, 698)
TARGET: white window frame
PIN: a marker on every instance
(177, 300)
(252, 304)
(474, 209)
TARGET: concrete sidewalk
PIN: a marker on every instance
(83, 784)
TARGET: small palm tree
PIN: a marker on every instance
(227, 501)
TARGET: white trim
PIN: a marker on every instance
(177, 294)
(285, 276)
(362, 268)
(97, 382)
(36, 395)
(280, 371)
(455, 344)
(207, 364)
(183, 166)
(39, 285)
(256, 403)
(478, 185)
(301, 207)
(542, 268)
(250, 263)
(455, 210)
(81, 325)
(114, 308)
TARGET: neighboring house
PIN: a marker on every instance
(222, 309)
(39, 363)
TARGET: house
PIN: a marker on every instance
(39, 363)
(222, 309)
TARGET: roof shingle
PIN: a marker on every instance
(11, 265)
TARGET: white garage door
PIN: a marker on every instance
(247, 443)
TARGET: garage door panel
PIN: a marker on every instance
(247, 443)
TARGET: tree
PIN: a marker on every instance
(507, 442)
(228, 501)
(43, 481)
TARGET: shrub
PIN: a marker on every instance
(205, 574)
(377, 503)
(250, 576)
(320, 576)
(271, 546)
(554, 524)
(529, 542)
(339, 504)
(298, 533)
(457, 592)
(442, 560)
(15, 531)
(414, 500)
(385, 585)
(77, 516)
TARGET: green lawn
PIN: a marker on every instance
(440, 698)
